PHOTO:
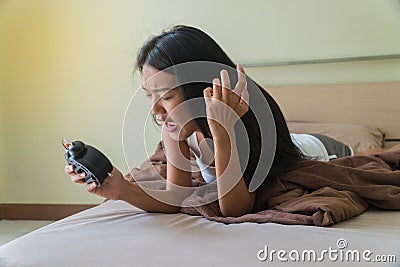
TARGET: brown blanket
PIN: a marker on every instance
(314, 193)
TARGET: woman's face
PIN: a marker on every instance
(167, 103)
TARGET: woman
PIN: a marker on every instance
(213, 135)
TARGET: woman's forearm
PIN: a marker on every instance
(146, 200)
(234, 197)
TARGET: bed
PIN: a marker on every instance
(118, 234)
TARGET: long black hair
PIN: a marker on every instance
(182, 44)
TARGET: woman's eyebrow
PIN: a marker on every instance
(157, 90)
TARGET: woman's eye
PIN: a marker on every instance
(166, 97)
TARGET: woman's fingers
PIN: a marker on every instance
(226, 83)
(237, 97)
(226, 86)
(69, 169)
(245, 96)
(78, 178)
(75, 177)
(242, 83)
(240, 68)
(207, 94)
(91, 188)
(244, 101)
(217, 90)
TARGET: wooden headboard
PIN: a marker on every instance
(374, 104)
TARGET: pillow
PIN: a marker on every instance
(358, 137)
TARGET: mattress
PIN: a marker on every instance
(118, 234)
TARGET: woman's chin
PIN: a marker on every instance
(177, 133)
(180, 135)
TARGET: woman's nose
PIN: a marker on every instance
(156, 107)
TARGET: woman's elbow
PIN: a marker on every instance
(234, 212)
(169, 210)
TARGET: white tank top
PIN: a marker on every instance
(204, 154)
(310, 146)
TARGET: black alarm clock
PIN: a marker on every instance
(87, 159)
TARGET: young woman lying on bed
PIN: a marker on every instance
(208, 126)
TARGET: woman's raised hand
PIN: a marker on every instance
(224, 106)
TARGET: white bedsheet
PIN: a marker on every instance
(118, 234)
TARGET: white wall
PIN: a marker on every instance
(284, 30)
(67, 68)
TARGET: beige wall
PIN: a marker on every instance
(2, 123)
(2, 138)
(67, 68)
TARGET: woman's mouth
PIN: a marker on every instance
(170, 126)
